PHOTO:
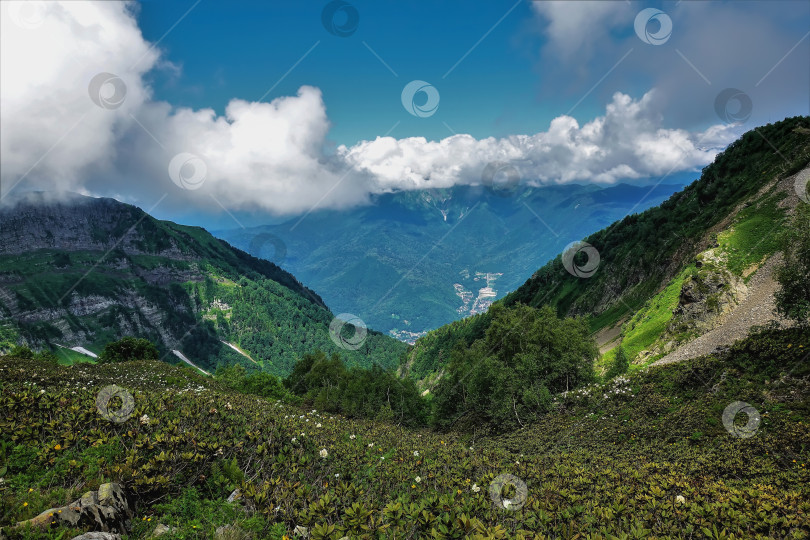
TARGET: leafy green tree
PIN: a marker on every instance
(793, 298)
(509, 376)
(61, 259)
(296, 380)
(264, 385)
(325, 383)
(22, 352)
(127, 349)
(233, 376)
(257, 383)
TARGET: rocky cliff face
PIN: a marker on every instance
(76, 270)
(81, 240)
(72, 222)
(706, 296)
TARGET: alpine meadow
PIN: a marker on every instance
(348, 269)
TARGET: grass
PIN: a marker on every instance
(649, 323)
(753, 236)
(68, 357)
(611, 316)
(750, 240)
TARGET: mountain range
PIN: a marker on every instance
(645, 374)
(412, 261)
(78, 271)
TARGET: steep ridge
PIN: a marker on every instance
(755, 303)
(82, 271)
(645, 258)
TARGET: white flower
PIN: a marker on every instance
(42, 391)
(475, 488)
(418, 479)
(145, 420)
(506, 503)
(324, 453)
(680, 499)
(415, 453)
(352, 437)
(471, 449)
(371, 445)
(337, 475)
(294, 439)
(228, 406)
(318, 424)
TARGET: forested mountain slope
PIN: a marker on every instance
(79, 271)
(644, 260)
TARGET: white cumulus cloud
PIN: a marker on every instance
(264, 155)
(626, 143)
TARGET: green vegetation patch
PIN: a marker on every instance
(649, 323)
(753, 236)
(645, 455)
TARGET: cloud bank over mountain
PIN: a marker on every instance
(79, 114)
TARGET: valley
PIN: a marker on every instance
(412, 261)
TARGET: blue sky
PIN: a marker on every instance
(226, 54)
(504, 86)
(256, 109)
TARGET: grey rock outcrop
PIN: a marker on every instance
(106, 510)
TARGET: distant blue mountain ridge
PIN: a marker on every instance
(414, 260)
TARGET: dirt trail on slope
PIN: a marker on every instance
(757, 308)
(609, 337)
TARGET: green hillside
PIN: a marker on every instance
(645, 257)
(649, 455)
(84, 272)
(643, 250)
